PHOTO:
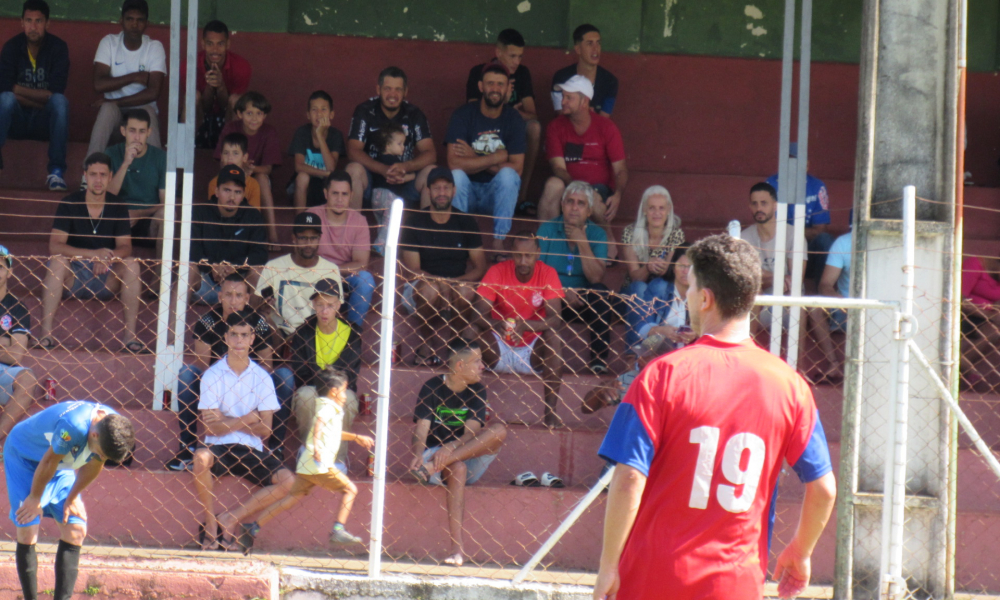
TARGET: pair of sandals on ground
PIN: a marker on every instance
(135, 346)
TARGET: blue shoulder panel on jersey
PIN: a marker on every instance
(815, 460)
(627, 441)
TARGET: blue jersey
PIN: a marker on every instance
(817, 201)
(63, 427)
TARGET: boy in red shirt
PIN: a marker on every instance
(520, 307)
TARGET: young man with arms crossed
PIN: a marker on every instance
(237, 406)
(683, 512)
(452, 445)
(41, 459)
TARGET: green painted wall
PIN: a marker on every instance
(738, 28)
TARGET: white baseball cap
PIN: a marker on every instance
(579, 84)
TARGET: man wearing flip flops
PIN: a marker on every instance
(452, 445)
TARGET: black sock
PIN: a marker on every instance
(67, 567)
(27, 570)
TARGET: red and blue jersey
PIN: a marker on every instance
(710, 426)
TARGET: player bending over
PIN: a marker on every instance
(699, 441)
(316, 460)
(41, 458)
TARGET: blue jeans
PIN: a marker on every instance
(359, 289)
(50, 123)
(644, 303)
(189, 389)
(496, 198)
(284, 387)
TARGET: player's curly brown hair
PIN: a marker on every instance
(116, 436)
(731, 269)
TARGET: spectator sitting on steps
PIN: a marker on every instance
(19, 388)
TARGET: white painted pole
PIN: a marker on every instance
(780, 258)
(798, 253)
(568, 522)
(894, 587)
(786, 177)
(384, 375)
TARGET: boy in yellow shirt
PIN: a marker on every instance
(316, 460)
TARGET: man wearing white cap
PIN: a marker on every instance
(583, 146)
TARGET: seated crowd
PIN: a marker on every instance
(282, 337)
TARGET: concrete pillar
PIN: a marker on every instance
(906, 136)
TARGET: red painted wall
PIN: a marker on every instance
(678, 114)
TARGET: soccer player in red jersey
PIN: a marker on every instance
(699, 441)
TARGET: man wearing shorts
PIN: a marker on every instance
(91, 247)
(41, 458)
(835, 282)
(18, 385)
(237, 406)
(452, 445)
(520, 305)
(699, 443)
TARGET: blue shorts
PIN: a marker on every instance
(87, 285)
(474, 467)
(207, 292)
(20, 472)
(838, 319)
(7, 375)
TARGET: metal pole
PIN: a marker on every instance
(384, 374)
(780, 258)
(560, 531)
(893, 584)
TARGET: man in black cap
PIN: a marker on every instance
(325, 339)
(287, 281)
(438, 244)
(227, 236)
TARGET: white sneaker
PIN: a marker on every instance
(339, 535)
(55, 182)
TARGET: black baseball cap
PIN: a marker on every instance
(438, 173)
(327, 287)
(232, 173)
(307, 220)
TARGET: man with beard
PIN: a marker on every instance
(34, 69)
(584, 146)
(388, 106)
(443, 254)
(486, 144)
(287, 281)
(761, 235)
(520, 302)
(221, 79)
(227, 236)
(345, 241)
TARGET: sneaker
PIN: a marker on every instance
(83, 183)
(183, 461)
(55, 181)
(339, 535)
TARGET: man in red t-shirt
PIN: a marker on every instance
(699, 442)
(520, 305)
(222, 77)
(583, 146)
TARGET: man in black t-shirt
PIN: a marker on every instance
(486, 144)
(227, 236)
(587, 43)
(18, 385)
(452, 444)
(389, 105)
(209, 346)
(438, 246)
(91, 247)
(509, 52)
(316, 148)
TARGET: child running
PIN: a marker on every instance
(316, 460)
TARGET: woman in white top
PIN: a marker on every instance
(647, 246)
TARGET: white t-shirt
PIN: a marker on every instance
(766, 249)
(112, 52)
(332, 415)
(293, 285)
(237, 396)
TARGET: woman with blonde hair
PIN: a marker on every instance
(647, 246)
